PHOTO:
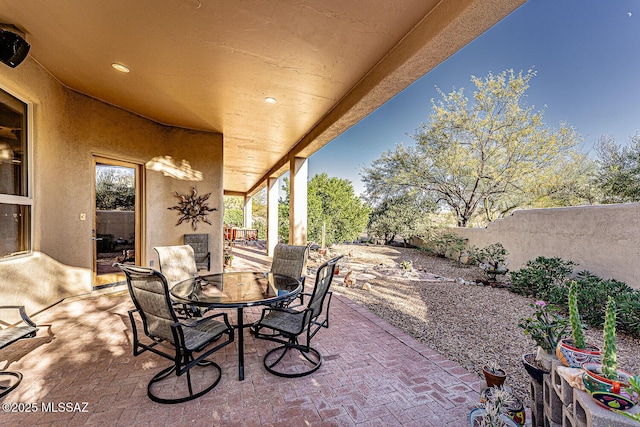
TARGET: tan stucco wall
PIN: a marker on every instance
(601, 239)
(68, 129)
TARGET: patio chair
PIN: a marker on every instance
(178, 263)
(200, 245)
(10, 335)
(181, 341)
(290, 260)
(285, 325)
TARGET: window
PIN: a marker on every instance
(15, 198)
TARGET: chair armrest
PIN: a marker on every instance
(23, 313)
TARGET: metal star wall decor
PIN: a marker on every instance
(193, 208)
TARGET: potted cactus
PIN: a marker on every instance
(604, 382)
(574, 352)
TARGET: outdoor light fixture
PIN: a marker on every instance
(270, 100)
(13, 47)
(120, 67)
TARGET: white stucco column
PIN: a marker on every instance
(298, 172)
(248, 212)
(272, 215)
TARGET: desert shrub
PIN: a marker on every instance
(492, 259)
(445, 244)
(593, 292)
(546, 279)
(543, 278)
(629, 313)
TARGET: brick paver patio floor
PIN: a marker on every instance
(373, 374)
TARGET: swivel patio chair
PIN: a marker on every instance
(10, 335)
(200, 245)
(178, 263)
(185, 343)
(290, 260)
(285, 325)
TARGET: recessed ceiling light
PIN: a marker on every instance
(120, 67)
(270, 100)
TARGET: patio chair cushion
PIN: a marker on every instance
(287, 320)
(198, 334)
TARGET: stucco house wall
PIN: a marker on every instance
(602, 239)
(68, 130)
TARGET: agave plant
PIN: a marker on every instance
(493, 367)
(498, 401)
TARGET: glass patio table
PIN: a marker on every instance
(236, 290)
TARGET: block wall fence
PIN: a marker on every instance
(603, 239)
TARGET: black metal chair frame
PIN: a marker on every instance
(10, 335)
(183, 358)
(310, 323)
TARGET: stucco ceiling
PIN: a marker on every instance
(209, 64)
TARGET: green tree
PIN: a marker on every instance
(619, 170)
(233, 212)
(482, 156)
(115, 188)
(572, 183)
(259, 213)
(330, 202)
(406, 216)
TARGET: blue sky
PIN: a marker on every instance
(587, 57)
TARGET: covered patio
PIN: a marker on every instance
(219, 98)
(374, 374)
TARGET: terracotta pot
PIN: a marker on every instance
(574, 357)
(608, 393)
(533, 368)
(494, 379)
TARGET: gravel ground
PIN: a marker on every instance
(437, 304)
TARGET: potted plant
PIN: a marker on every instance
(501, 409)
(604, 381)
(492, 259)
(494, 375)
(546, 327)
(574, 352)
(228, 259)
(634, 393)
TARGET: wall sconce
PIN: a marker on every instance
(13, 47)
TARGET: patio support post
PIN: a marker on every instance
(298, 171)
(272, 215)
(248, 212)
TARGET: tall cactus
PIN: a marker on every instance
(574, 316)
(609, 364)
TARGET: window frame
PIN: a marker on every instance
(27, 200)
